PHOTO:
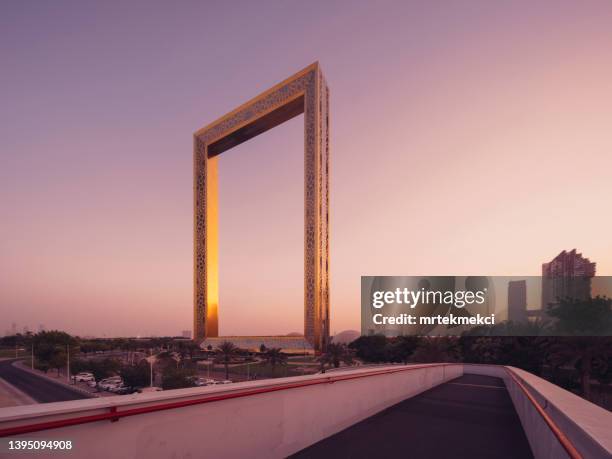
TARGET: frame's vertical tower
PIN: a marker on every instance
(316, 215)
(305, 92)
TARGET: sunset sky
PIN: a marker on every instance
(466, 138)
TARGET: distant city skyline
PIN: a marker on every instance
(466, 140)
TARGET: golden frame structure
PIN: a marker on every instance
(305, 92)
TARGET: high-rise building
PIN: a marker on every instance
(517, 301)
(187, 334)
(568, 275)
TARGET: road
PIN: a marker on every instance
(39, 388)
(471, 416)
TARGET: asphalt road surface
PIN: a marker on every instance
(40, 389)
(469, 417)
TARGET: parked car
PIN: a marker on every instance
(120, 389)
(204, 382)
(107, 383)
(84, 377)
(114, 385)
(226, 381)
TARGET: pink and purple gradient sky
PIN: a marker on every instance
(467, 138)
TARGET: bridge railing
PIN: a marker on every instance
(558, 424)
(278, 417)
(283, 416)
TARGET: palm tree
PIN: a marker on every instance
(273, 357)
(226, 351)
(336, 354)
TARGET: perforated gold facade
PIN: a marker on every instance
(305, 92)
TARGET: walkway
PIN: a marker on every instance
(469, 417)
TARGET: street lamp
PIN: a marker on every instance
(68, 363)
(151, 359)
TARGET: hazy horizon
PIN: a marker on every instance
(469, 139)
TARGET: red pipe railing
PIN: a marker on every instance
(570, 449)
(114, 414)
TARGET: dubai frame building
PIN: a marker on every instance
(305, 92)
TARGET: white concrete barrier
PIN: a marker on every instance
(586, 426)
(272, 418)
(275, 418)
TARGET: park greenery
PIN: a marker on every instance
(336, 354)
(572, 347)
(225, 354)
(53, 350)
(571, 362)
(578, 363)
(275, 358)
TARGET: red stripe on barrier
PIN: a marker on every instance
(115, 415)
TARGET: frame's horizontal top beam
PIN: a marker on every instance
(312, 67)
(258, 126)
